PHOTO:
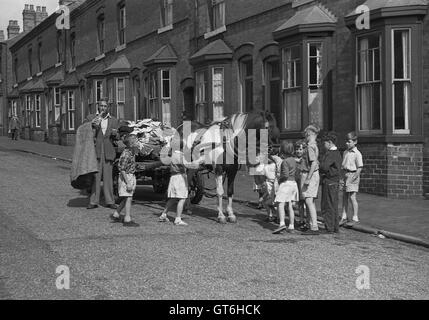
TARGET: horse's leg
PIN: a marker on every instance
(219, 191)
(231, 174)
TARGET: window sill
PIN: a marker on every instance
(214, 32)
(59, 64)
(101, 56)
(39, 74)
(391, 138)
(30, 78)
(165, 29)
(121, 47)
(15, 85)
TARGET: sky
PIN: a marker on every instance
(12, 10)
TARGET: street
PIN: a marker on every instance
(45, 224)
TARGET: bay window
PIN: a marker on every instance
(401, 82)
(292, 88)
(369, 84)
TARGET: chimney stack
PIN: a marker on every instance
(2, 36)
(29, 17)
(12, 29)
(41, 14)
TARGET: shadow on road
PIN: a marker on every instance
(78, 203)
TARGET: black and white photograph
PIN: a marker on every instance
(214, 155)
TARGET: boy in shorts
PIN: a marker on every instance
(310, 177)
(352, 166)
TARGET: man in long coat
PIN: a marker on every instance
(106, 132)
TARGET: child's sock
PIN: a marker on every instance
(344, 216)
(116, 214)
(177, 220)
(127, 219)
(355, 219)
(291, 227)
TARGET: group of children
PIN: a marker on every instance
(295, 174)
(291, 177)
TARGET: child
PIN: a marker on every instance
(330, 168)
(177, 187)
(352, 166)
(127, 181)
(300, 166)
(310, 177)
(288, 189)
(271, 173)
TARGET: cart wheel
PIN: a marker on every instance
(197, 187)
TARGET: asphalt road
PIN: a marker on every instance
(44, 223)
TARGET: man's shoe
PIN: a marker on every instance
(112, 206)
(131, 224)
(92, 206)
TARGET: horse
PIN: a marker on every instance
(223, 155)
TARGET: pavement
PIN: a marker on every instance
(403, 220)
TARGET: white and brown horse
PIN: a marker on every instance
(227, 144)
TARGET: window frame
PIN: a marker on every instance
(37, 111)
(101, 33)
(221, 6)
(166, 13)
(292, 85)
(369, 82)
(28, 110)
(39, 56)
(30, 60)
(98, 98)
(73, 50)
(71, 110)
(217, 103)
(118, 101)
(122, 24)
(407, 110)
(243, 79)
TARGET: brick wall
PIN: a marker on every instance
(392, 170)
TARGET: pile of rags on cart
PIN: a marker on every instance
(152, 136)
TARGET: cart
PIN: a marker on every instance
(150, 171)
